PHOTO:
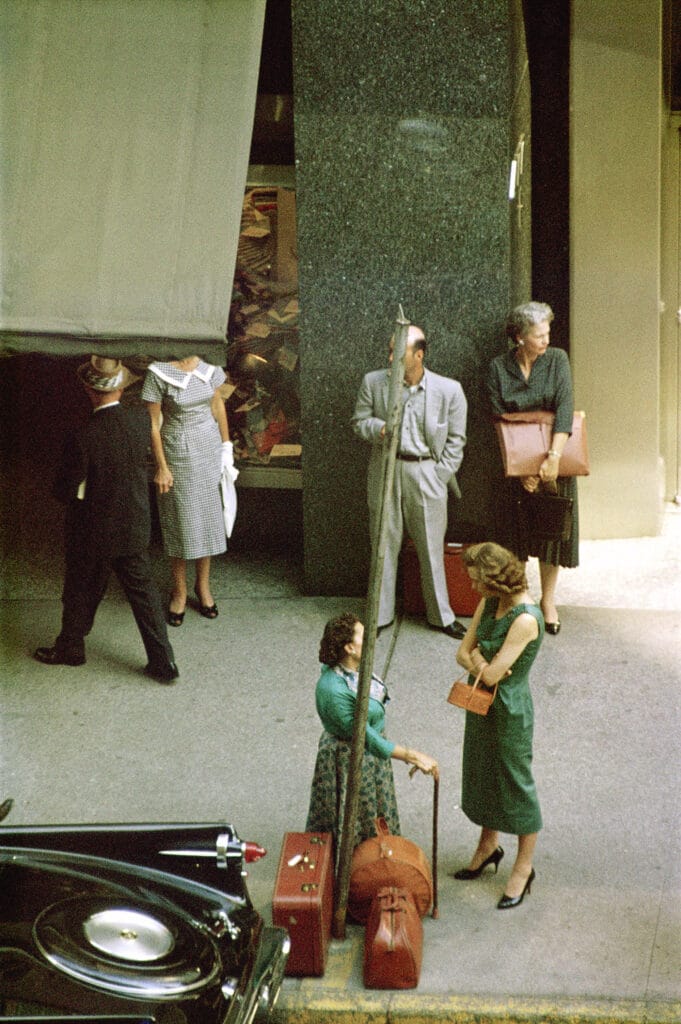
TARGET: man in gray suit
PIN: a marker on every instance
(430, 450)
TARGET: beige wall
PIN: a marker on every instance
(670, 321)
(615, 251)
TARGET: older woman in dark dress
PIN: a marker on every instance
(533, 376)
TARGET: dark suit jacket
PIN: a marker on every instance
(110, 454)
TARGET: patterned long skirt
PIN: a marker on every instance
(329, 790)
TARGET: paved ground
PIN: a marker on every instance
(597, 939)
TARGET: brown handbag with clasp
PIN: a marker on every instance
(393, 943)
(525, 438)
(475, 697)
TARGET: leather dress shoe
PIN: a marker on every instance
(453, 629)
(59, 656)
(167, 675)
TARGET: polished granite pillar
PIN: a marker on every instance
(407, 115)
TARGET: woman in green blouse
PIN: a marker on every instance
(340, 652)
(533, 376)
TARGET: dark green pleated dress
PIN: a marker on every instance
(498, 789)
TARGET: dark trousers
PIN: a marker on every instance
(85, 584)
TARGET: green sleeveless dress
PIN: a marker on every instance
(498, 789)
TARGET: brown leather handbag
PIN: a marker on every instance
(393, 943)
(475, 697)
(388, 860)
(525, 438)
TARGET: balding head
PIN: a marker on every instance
(414, 355)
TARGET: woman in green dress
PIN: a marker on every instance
(533, 376)
(498, 790)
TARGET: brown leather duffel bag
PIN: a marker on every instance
(388, 860)
(393, 944)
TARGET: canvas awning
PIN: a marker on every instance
(126, 129)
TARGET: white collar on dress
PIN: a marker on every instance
(180, 378)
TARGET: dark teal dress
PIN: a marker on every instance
(549, 386)
(498, 789)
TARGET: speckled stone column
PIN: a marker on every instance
(407, 115)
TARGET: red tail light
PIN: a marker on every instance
(253, 852)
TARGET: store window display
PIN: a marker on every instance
(262, 390)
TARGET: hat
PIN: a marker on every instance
(104, 374)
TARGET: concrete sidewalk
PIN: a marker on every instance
(599, 936)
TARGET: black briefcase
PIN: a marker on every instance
(548, 516)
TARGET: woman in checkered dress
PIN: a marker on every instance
(191, 447)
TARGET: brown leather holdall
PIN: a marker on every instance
(393, 943)
(388, 860)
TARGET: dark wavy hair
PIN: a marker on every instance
(496, 568)
(337, 633)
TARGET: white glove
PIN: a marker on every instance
(227, 460)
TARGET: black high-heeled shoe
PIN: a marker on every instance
(209, 611)
(468, 874)
(508, 902)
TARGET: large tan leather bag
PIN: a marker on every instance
(387, 860)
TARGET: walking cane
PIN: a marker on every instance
(436, 799)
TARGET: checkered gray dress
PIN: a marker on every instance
(191, 512)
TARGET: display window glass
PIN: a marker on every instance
(262, 392)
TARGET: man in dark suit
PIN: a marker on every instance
(102, 480)
(430, 450)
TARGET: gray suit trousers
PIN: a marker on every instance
(417, 505)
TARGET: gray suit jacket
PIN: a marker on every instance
(445, 420)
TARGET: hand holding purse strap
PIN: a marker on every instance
(484, 686)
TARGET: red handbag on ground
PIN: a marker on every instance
(393, 943)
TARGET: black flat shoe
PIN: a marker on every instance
(508, 902)
(552, 627)
(175, 618)
(468, 874)
(5, 807)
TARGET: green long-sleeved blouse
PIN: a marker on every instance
(336, 707)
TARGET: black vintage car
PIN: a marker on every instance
(136, 923)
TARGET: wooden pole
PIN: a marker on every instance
(378, 547)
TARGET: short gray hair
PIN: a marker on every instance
(520, 319)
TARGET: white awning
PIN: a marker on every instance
(126, 128)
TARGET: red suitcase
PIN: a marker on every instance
(303, 899)
(463, 599)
